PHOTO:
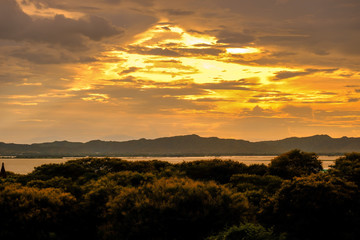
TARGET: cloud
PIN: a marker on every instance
(258, 111)
(226, 36)
(290, 74)
(153, 51)
(178, 12)
(228, 85)
(42, 54)
(59, 30)
(135, 99)
(129, 70)
(317, 39)
(350, 100)
(198, 51)
(298, 111)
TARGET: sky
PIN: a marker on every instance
(126, 69)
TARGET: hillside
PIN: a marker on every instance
(184, 145)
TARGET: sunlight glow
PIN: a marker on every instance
(97, 97)
(246, 50)
(173, 34)
(142, 67)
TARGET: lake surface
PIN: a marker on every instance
(27, 165)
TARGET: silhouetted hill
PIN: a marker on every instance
(183, 145)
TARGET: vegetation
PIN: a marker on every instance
(106, 198)
(294, 164)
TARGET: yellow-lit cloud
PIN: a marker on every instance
(157, 68)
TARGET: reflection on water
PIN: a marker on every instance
(26, 165)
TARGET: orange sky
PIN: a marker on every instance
(121, 69)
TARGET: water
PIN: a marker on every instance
(27, 165)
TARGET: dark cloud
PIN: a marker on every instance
(178, 12)
(270, 100)
(45, 55)
(207, 100)
(129, 70)
(328, 93)
(226, 36)
(81, 5)
(153, 51)
(353, 100)
(59, 30)
(149, 100)
(288, 74)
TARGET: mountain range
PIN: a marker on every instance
(187, 145)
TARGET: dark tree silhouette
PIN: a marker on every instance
(295, 163)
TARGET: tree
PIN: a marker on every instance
(243, 182)
(31, 213)
(348, 167)
(295, 163)
(247, 231)
(318, 206)
(173, 208)
(216, 169)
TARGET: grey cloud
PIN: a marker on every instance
(88, 5)
(149, 100)
(212, 100)
(71, 33)
(113, 1)
(46, 55)
(226, 36)
(270, 100)
(328, 93)
(129, 70)
(288, 74)
(271, 96)
(178, 12)
(133, 88)
(353, 100)
(153, 51)
(322, 27)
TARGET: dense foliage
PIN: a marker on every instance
(294, 164)
(108, 198)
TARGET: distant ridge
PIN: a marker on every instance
(186, 145)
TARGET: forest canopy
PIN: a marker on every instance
(110, 198)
